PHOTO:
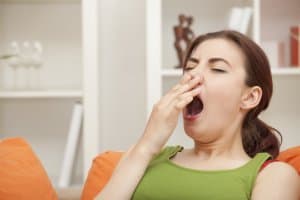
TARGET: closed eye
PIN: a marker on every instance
(188, 68)
(218, 70)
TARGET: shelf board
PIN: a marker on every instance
(275, 71)
(39, 1)
(286, 71)
(41, 94)
(171, 72)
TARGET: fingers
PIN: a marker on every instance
(183, 103)
(181, 94)
(182, 88)
(184, 99)
(185, 78)
(188, 85)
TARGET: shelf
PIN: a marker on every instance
(171, 72)
(207, 18)
(275, 71)
(39, 1)
(41, 94)
(286, 71)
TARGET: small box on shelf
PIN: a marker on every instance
(295, 46)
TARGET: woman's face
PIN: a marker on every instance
(220, 64)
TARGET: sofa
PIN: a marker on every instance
(24, 178)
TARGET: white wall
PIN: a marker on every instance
(122, 74)
(283, 112)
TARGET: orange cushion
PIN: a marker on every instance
(291, 156)
(22, 175)
(99, 174)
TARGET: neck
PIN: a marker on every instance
(230, 146)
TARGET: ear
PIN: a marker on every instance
(251, 97)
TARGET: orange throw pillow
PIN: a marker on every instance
(22, 175)
(291, 156)
(99, 174)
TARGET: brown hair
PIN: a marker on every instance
(257, 136)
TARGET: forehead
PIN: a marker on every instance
(219, 47)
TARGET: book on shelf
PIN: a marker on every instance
(239, 19)
(71, 146)
(295, 46)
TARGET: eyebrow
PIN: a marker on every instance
(194, 60)
(211, 60)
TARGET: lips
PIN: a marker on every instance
(194, 108)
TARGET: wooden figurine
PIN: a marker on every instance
(183, 37)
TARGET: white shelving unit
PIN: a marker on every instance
(162, 15)
(67, 29)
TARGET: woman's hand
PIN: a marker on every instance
(165, 113)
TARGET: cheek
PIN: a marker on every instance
(224, 96)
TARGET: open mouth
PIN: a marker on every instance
(195, 107)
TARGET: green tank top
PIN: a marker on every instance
(165, 180)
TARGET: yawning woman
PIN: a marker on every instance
(226, 84)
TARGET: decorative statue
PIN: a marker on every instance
(183, 37)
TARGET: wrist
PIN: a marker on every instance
(146, 149)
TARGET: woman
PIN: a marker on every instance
(226, 84)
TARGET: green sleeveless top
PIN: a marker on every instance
(165, 180)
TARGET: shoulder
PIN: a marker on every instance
(165, 153)
(277, 174)
(169, 151)
(280, 169)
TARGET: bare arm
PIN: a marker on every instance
(127, 174)
(277, 181)
(162, 122)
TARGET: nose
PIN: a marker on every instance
(198, 73)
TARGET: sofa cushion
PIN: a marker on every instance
(100, 172)
(22, 174)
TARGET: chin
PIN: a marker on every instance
(201, 137)
(192, 131)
